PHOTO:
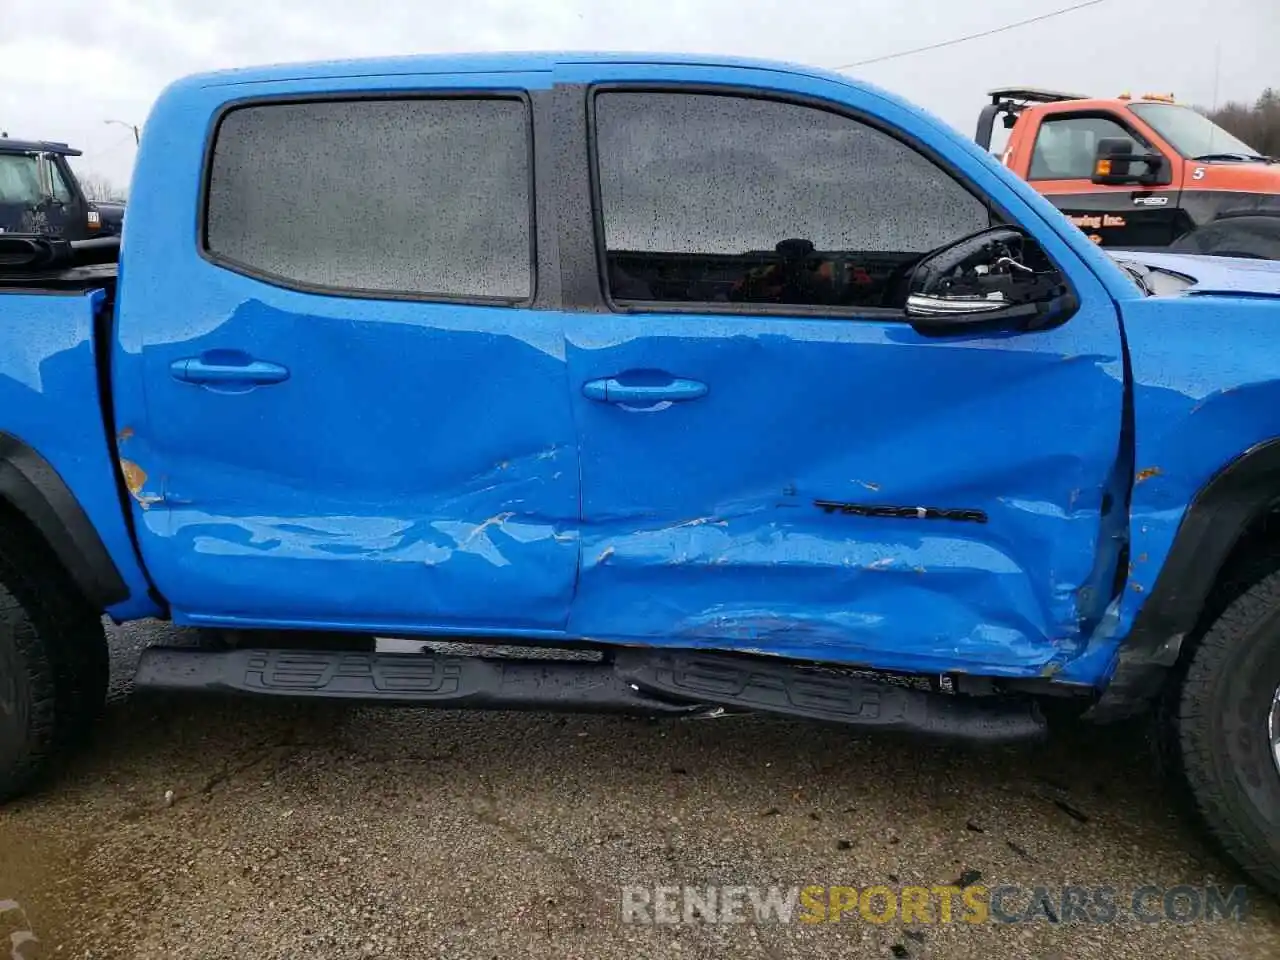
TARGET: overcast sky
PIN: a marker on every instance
(68, 65)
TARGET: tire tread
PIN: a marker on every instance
(1219, 799)
(60, 640)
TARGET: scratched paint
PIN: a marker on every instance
(699, 525)
(434, 466)
(392, 570)
(49, 398)
(418, 467)
(135, 481)
(402, 471)
(1199, 402)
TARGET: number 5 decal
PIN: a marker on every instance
(1197, 173)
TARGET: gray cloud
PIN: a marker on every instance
(68, 65)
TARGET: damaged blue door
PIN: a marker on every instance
(338, 413)
(772, 459)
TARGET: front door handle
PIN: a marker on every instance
(238, 369)
(613, 390)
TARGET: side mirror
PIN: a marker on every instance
(1114, 162)
(994, 280)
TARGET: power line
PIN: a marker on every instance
(972, 36)
(116, 146)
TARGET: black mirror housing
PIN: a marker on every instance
(1115, 159)
(995, 280)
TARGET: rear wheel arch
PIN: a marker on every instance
(33, 494)
(53, 652)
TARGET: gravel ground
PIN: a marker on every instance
(216, 829)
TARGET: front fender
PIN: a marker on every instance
(1206, 400)
(1200, 415)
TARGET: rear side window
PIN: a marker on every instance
(1067, 146)
(422, 197)
(718, 198)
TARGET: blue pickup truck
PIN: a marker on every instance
(760, 388)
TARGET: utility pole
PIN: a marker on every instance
(137, 136)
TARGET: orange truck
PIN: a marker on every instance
(1140, 173)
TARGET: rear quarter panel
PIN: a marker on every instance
(49, 398)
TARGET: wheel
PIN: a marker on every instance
(27, 711)
(53, 664)
(1228, 730)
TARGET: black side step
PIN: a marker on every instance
(636, 681)
(826, 694)
(408, 679)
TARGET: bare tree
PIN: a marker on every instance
(98, 187)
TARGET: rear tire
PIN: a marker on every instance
(27, 709)
(1223, 718)
(53, 663)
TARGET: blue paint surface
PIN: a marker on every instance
(418, 466)
(49, 399)
(699, 524)
(444, 468)
(1200, 401)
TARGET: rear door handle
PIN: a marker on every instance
(613, 390)
(228, 371)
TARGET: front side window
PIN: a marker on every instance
(20, 179)
(422, 197)
(724, 199)
(1066, 147)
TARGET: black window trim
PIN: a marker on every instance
(356, 293)
(69, 180)
(995, 212)
(1137, 136)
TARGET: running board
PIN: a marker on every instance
(820, 693)
(644, 682)
(405, 679)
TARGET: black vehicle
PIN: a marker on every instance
(39, 193)
(110, 220)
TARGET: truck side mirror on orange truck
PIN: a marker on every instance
(1115, 159)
